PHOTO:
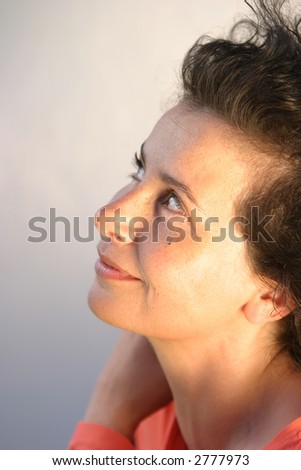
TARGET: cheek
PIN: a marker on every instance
(163, 261)
(174, 277)
(178, 293)
(194, 276)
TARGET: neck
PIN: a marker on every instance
(222, 394)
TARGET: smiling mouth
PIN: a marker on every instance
(107, 269)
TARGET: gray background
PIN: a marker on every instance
(82, 83)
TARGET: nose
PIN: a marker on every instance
(123, 220)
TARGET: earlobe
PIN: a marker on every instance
(269, 306)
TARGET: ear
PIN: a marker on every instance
(268, 305)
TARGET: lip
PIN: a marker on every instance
(108, 269)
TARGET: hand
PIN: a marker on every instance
(131, 386)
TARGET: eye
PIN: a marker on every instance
(139, 169)
(172, 202)
(169, 199)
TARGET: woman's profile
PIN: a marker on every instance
(200, 257)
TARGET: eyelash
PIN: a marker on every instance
(138, 165)
(166, 195)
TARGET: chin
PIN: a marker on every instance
(99, 303)
(110, 307)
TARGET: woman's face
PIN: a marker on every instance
(198, 284)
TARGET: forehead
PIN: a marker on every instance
(185, 130)
(205, 152)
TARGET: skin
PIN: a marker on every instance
(194, 278)
(210, 321)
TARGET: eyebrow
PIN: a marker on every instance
(170, 180)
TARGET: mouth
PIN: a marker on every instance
(108, 269)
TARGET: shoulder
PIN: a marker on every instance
(288, 439)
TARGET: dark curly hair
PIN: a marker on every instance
(253, 82)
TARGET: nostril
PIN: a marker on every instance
(119, 237)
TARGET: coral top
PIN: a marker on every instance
(160, 431)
